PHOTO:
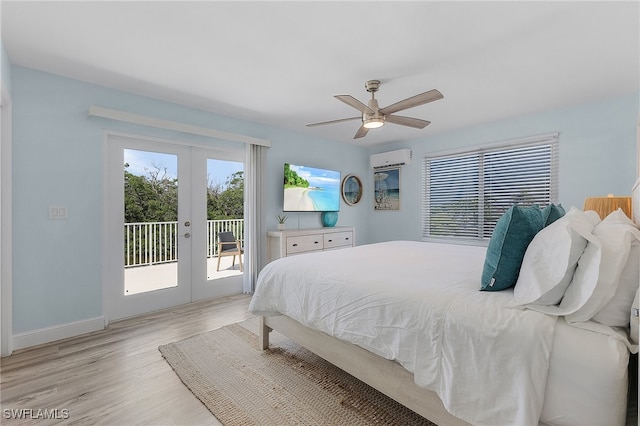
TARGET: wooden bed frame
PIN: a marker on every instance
(387, 376)
(384, 375)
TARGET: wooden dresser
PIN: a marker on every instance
(298, 241)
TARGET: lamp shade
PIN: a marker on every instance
(605, 205)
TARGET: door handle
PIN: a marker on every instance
(187, 235)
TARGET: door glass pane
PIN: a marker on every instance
(225, 214)
(151, 221)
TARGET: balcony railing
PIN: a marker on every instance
(151, 243)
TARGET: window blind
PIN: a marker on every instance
(465, 193)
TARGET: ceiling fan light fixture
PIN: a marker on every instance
(373, 123)
(373, 117)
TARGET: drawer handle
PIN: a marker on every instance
(346, 239)
(316, 242)
(330, 241)
(295, 245)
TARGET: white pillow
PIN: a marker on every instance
(585, 279)
(616, 312)
(551, 258)
(615, 234)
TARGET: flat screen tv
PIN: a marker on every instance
(309, 189)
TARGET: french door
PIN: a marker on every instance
(159, 246)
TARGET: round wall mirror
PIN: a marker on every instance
(351, 189)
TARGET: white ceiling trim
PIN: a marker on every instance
(159, 123)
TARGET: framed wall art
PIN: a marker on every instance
(386, 189)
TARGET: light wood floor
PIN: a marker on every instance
(115, 376)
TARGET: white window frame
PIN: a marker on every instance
(474, 182)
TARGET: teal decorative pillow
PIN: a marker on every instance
(511, 237)
(551, 213)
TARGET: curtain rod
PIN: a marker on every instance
(159, 123)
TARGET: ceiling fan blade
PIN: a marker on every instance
(414, 101)
(407, 121)
(333, 121)
(353, 102)
(362, 132)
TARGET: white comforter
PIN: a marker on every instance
(420, 304)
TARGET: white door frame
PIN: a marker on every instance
(201, 288)
(6, 226)
(117, 305)
(198, 288)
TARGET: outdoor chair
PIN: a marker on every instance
(228, 245)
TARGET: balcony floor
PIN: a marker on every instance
(141, 279)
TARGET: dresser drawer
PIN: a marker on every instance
(338, 239)
(304, 243)
(291, 242)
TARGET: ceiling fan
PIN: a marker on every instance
(373, 116)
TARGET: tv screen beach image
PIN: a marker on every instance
(310, 189)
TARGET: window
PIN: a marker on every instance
(466, 192)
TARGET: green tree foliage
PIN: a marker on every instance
(291, 178)
(150, 198)
(154, 197)
(226, 201)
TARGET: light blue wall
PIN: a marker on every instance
(58, 159)
(597, 157)
(5, 69)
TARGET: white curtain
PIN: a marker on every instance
(255, 224)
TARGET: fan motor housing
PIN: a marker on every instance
(372, 85)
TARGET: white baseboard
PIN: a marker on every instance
(58, 332)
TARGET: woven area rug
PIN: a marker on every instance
(285, 385)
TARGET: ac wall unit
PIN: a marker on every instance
(391, 159)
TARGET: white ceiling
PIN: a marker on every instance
(281, 62)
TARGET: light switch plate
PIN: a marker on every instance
(58, 212)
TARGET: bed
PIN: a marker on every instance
(408, 319)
